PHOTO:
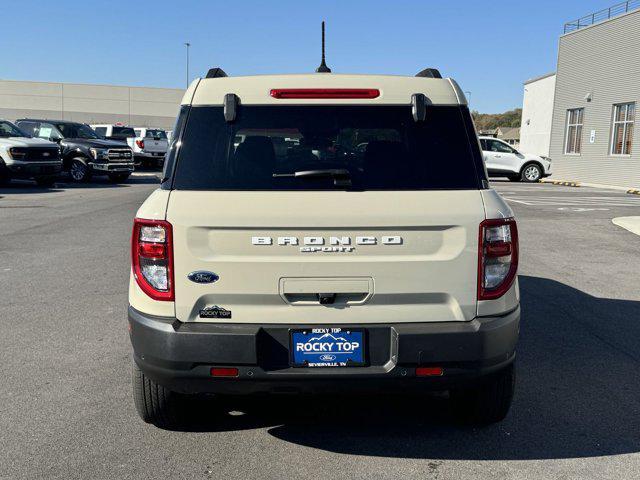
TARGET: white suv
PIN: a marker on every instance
(503, 160)
(308, 237)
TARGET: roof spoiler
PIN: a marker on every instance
(429, 73)
(216, 73)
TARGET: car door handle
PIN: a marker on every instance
(498, 156)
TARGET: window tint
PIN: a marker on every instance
(75, 130)
(155, 134)
(8, 129)
(368, 148)
(123, 132)
(483, 144)
(496, 146)
(174, 146)
(138, 133)
(48, 131)
(102, 131)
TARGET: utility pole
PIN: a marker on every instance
(468, 94)
(187, 44)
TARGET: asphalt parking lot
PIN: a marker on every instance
(67, 412)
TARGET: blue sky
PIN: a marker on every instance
(490, 47)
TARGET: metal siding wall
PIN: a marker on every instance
(137, 106)
(603, 60)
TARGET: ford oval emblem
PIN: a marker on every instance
(202, 276)
(327, 357)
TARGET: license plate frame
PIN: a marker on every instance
(335, 356)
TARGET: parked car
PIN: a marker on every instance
(84, 153)
(150, 146)
(503, 160)
(327, 265)
(24, 157)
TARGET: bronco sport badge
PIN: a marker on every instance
(332, 245)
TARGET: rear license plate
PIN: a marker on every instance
(327, 347)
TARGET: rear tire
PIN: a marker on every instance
(488, 402)
(79, 171)
(118, 177)
(155, 404)
(531, 173)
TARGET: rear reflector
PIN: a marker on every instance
(224, 372)
(429, 372)
(152, 250)
(325, 93)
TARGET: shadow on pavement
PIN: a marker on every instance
(26, 186)
(577, 395)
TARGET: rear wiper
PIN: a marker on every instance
(341, 177)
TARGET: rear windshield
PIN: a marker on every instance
(156, 134)
(327, 147)
(123, 132)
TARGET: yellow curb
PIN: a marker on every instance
(565, 184)
(633, 192)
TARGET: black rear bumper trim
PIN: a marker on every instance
(179, 355)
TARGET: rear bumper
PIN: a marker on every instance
(180, 355)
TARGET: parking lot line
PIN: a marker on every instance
(574, 201)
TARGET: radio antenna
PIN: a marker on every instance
(323, 66)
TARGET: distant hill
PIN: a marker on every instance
(489, 121)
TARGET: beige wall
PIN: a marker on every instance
(136, 106)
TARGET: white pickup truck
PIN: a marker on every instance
(22, 156)
(150, 146)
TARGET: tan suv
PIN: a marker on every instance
(322, 233)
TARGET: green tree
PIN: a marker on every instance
(490, 121)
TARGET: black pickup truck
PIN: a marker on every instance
(84, 153)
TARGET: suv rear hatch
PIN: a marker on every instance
(327, 214)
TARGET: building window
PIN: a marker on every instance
(573, 142)
(622, 132)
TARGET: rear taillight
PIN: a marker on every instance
(335, 93)
(140, 143)
(152, 258)
(497, 257)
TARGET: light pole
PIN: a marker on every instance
(468, 94)
(187, 44)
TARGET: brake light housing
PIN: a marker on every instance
(497, 257)
(331, 93)
(140, 143)
(152, 258)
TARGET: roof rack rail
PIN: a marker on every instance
(215, 73)
(429, 73)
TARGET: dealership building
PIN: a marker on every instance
(135, 106)
(584, 116)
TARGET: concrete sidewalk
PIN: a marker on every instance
(629, 223)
